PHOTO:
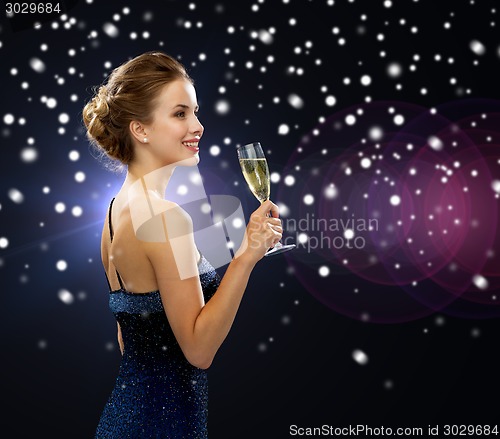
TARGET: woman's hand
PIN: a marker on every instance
(263, 231)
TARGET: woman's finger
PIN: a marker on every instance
(268, 208)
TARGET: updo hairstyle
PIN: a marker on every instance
(130, 94)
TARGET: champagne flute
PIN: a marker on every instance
(256, 172)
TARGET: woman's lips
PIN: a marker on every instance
(192, 146)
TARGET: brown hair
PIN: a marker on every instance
(130, 94)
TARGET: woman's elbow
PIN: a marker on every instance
(200, 361)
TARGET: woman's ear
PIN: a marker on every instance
(138, 131)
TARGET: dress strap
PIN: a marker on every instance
(111, 239)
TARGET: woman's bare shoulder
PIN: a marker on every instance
(154, 217)
(148, 203)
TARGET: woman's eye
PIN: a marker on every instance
(182, 114)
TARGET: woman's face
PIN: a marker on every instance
(174, 134)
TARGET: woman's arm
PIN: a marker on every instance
(120, 339)
(201, 328)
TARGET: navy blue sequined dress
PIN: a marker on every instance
(158, 393)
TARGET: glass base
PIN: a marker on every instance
(279, 248)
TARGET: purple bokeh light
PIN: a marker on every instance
(406, 199)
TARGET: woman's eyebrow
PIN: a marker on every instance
(186, 106)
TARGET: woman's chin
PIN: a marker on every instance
(191, 161)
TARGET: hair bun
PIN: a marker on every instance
(96, 119)
(98, 107)
(101, 102)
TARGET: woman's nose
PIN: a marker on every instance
(198, 128)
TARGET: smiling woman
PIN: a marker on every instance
(173, 311)
(130, 94)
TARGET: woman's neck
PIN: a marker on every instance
(151, 180)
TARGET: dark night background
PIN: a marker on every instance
(288, 359)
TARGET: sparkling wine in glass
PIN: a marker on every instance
(256, 172)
